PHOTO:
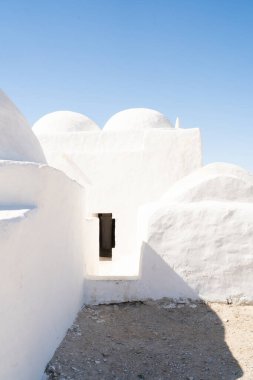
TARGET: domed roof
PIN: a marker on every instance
(64, 121)
(136, 119)
(17, 141)
(216, 181)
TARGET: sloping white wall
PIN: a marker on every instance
(42, 266)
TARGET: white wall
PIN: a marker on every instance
(207, 245)
(193, 241)
(42, 266)
(122, 170)
(196, 242)
(202, 230)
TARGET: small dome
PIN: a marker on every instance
(17, 141)
(216, 181)
(137, 119)
(64, 121)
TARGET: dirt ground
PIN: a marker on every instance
(157, 340)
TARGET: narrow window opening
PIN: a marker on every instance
(106, 236)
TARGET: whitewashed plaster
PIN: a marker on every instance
(196, 242)
(42, 265)
(181, 230)
(202, 229)
(122, 169)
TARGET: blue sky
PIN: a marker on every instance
(186, 58)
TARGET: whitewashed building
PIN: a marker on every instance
(133, 160)
(122, 213)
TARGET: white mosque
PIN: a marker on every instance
(127, 212)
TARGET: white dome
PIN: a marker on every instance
(137, 118)
(64, 121)
(17, 141)
(216, 181)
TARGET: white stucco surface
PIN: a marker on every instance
(64, 121)
(181, 230)
(202, 229)
(196, 242)
(42, 266)
(17, 141)
(122, 170)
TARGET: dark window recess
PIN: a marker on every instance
(106, 235)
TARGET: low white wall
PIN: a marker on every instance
(42, 267)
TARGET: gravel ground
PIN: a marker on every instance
(157, 340)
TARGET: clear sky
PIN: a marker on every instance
(186, 58)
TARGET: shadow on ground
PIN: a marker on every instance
(148, 339)
(145, 340)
